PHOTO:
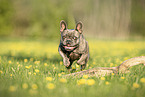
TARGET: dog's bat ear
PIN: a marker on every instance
(79, 27)
(63, 26)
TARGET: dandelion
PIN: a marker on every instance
(49, 78)
(25, 60)
(77, 66)
(59, 75)
(11, 75)
(135, 85)
(36, 70)
(30, 66)
(94, 63)
(122, 77)
(34, 86)
(142, 80)
(36, 62)
(111, 64)
(85, 76)
(1, 72)
(12, 88)
(112, 73)
(60, 62)
(10, 62)
(107, 83)
(24, 85)
(27, 67)
(90, 82)
(50, 86)
(45, 64)
(34, 73)
(81, 81)
(73, 68)
(63, 80)
(102, 78)
(62, 72)
(29, 73)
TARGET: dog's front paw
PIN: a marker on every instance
(80, 62)
(66, 62)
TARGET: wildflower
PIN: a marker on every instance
(63, 80)
(85, 76)
(49, 78)
(122, 77)
(102, 78)
(62, 73)
(1, 72)
(34, 86)
(112, 73)
(29, 73)
(36, 70)
(50, 86)
(60, 62)
(107, 83)
(11, 75)
(12, 88)
(10, 62)
(135, 85)
(59, 75)
(24, 85)
(142, 80)
(90, 82)
(25, 60)
(111, 64)
(34, 73)
(27, 67)
(45, 64)
(73, 68)
(36, 62)
(94, 63)
(30, 66)
(81, 81)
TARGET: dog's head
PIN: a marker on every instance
(70, 38)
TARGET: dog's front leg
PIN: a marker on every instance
(83, 60)
(66, 61)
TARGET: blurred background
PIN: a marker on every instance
(111, 19)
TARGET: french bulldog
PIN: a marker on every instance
(73, 45)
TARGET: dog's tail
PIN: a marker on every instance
(102, 71)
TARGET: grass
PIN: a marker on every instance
(35, 68)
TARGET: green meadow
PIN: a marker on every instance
(31, 68)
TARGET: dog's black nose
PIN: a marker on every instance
(68, 41)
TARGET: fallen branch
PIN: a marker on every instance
(102, 71)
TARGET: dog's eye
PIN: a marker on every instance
(75, 38)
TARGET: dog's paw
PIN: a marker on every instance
(80, 62)
(66, 62)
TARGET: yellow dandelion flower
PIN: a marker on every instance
(34, 86)
(10, 62)
(34, 73)
(85, 76)
(73, 68)
(49, 78)
(135, 85)
(1, 72)
(107, 83)
(24, 85)
(111, 64)
(29, 73)
(63, 80)
(62, 72)
(102, 78)
(60, 62)
(27, 67)
(36, 62)
(25, 60)
(11, 75)
(50, 86)
(17, 63)
(81, 81)
(122, 77)
(30, 66)
(90, 82)
(59, 75)
(142, 80)
(36, 70)
(94, 63)
(112, 73)
(45, 64)
(12, 88)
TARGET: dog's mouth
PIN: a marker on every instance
(69, 48)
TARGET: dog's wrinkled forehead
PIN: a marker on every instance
(71, 32)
